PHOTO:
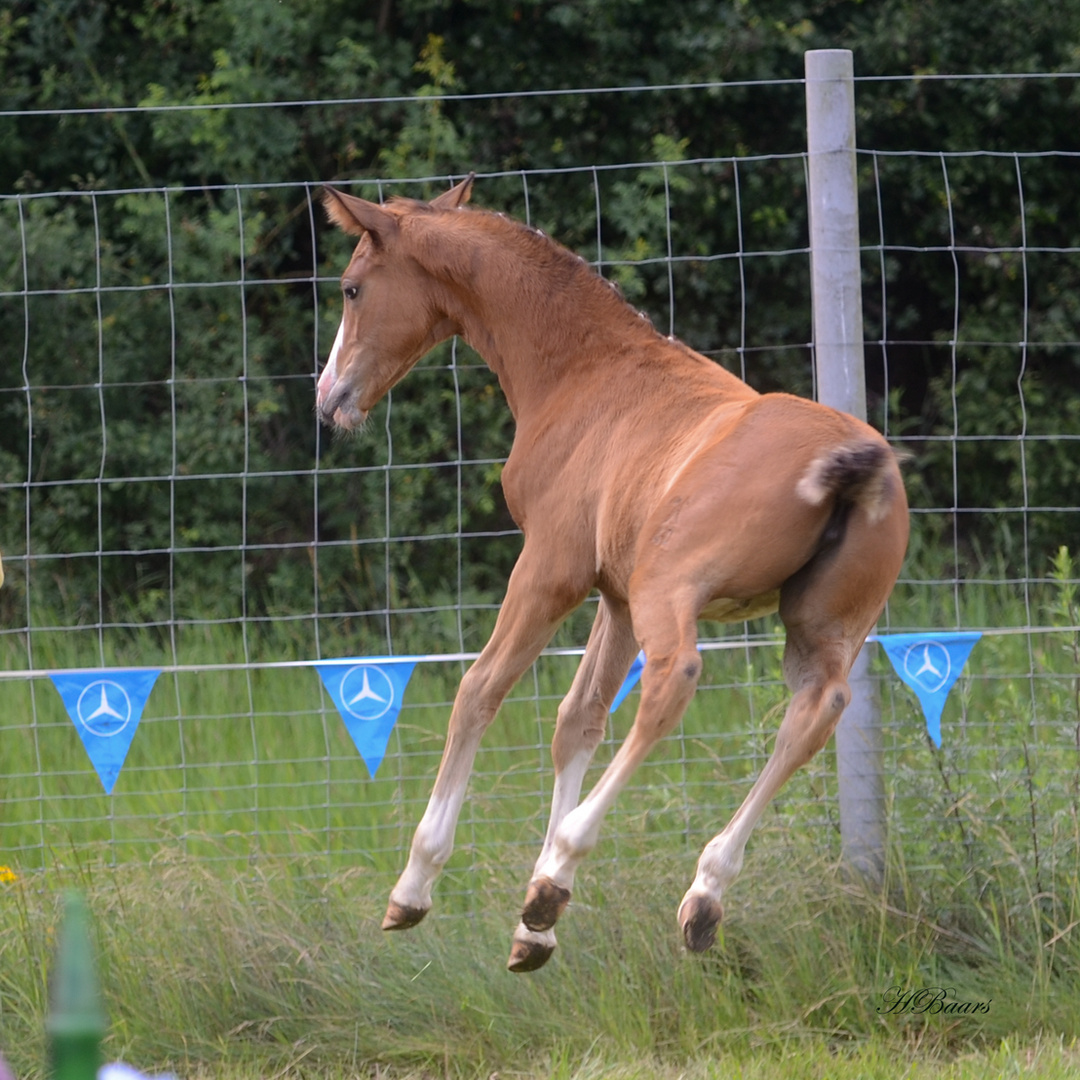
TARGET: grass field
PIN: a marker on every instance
(271, 974)
(238, 874)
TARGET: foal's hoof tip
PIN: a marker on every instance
(700, 917)
(528, 956)
(398, 917)
(544, 903)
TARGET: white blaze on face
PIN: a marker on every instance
(329, 373)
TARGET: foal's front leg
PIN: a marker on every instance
(672, 668)
(581, 723)
(534, 607)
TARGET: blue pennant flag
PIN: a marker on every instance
(930, 664)
(106, 707)
(630, 681)
(368, 694)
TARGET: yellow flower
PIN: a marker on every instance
(7, 876)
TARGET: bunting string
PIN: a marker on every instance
(577, 650)
(106, 704)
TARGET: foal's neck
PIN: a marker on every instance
(537, 313)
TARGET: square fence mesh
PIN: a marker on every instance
(169, 501)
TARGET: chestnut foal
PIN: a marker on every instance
(643, 470)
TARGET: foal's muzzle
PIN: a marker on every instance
(337, 407)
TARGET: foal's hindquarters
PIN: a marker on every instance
(834, 545)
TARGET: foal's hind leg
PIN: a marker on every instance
(817, 673)
(828, 607)
(581, 723)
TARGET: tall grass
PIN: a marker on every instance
(239, 873)
(280, 974)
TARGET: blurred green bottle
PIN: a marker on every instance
(76, 1023)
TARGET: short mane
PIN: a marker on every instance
(534, 244)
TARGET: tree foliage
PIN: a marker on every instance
(157, 321)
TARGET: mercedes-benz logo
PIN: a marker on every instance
(367, 692)
(104, 708)
(928, 664)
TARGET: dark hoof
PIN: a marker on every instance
(529, 956)
(700, 917)
(401, 918)
(544, 903)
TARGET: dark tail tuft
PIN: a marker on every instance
(862, 473)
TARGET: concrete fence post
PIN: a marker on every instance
(841, 383)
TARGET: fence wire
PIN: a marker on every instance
(237, 760)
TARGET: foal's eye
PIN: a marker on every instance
(351, 292)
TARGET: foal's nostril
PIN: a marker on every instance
(328, 398)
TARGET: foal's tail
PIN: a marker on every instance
(864, 473)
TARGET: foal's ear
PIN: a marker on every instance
(457, 196)
(358, 216)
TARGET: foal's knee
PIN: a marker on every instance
(477, 700)
(680, 671)
(667, 684)
(691, 668)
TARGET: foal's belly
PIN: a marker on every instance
(724, 610)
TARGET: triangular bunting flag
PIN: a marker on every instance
(630, 681)
(930, 664)
(368, 693)
(106, 707)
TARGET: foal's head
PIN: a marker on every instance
(392, 315)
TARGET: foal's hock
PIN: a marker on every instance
(640, 469)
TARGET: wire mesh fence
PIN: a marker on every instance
(168, 500)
